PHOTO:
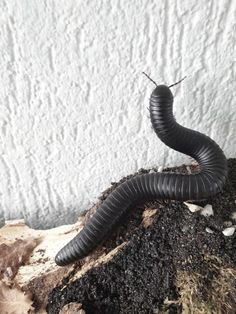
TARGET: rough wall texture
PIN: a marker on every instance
(74, 103)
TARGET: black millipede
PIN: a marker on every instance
(144, 187)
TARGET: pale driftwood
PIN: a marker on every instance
(27, 263)
(28, 269)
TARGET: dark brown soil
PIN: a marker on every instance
(142, 275)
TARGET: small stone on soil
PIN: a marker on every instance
(193, 207)
(229, 231)
(209, 230)
(207, 211)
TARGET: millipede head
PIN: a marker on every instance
(162, 91)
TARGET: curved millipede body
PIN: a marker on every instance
(207, 182)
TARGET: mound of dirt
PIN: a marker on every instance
(162, 258)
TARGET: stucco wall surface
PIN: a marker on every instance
(73, 113)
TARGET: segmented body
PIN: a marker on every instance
(208, 182)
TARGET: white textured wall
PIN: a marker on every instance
(73, 100)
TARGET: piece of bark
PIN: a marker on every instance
(14, 255)
(14, 301)
(148, 216)
(72, 308)
(27, 258)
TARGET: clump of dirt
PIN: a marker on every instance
(162, 261)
